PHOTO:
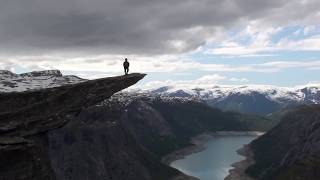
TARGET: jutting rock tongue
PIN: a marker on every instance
(26, 116)
(31, 112)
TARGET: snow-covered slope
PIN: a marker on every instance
(11, 82)
(274, 93)
(257, 99)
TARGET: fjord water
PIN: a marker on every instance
(214, 162)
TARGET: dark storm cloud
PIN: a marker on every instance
(119, 26)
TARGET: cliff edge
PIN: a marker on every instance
(26, 117)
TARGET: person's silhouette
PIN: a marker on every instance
(126, 66)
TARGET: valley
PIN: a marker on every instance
(85, 129)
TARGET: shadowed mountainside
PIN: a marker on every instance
(290, 151)
(125, 137)
(25, 118)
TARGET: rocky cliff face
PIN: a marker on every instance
(290, 151)
(27, 117)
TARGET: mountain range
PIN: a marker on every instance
(255, 99)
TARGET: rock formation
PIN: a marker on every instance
(26, 117)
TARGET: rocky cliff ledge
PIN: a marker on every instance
(26, 117)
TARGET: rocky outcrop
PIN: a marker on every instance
(290, 151)
(26, 117)
(32, 112)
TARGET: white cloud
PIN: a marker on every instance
(257, 38)
(243, 80)
(309, 65)
(308, 44)
(309, 29)
(263, 46)
(209, 79)
(204, 81)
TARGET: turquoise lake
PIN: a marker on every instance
(215, 161)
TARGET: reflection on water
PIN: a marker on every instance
(215, 161)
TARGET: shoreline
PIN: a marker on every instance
(238, 170)
(238, 133)
(198, 144)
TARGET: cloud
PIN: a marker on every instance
(135, 26)
(260, 42)
(204, 81)
(280, 65)
(239, 80)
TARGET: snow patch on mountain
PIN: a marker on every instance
(11, 82)
(219, 92)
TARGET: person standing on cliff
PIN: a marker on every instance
(126, 66)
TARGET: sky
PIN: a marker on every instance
(202, 42)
